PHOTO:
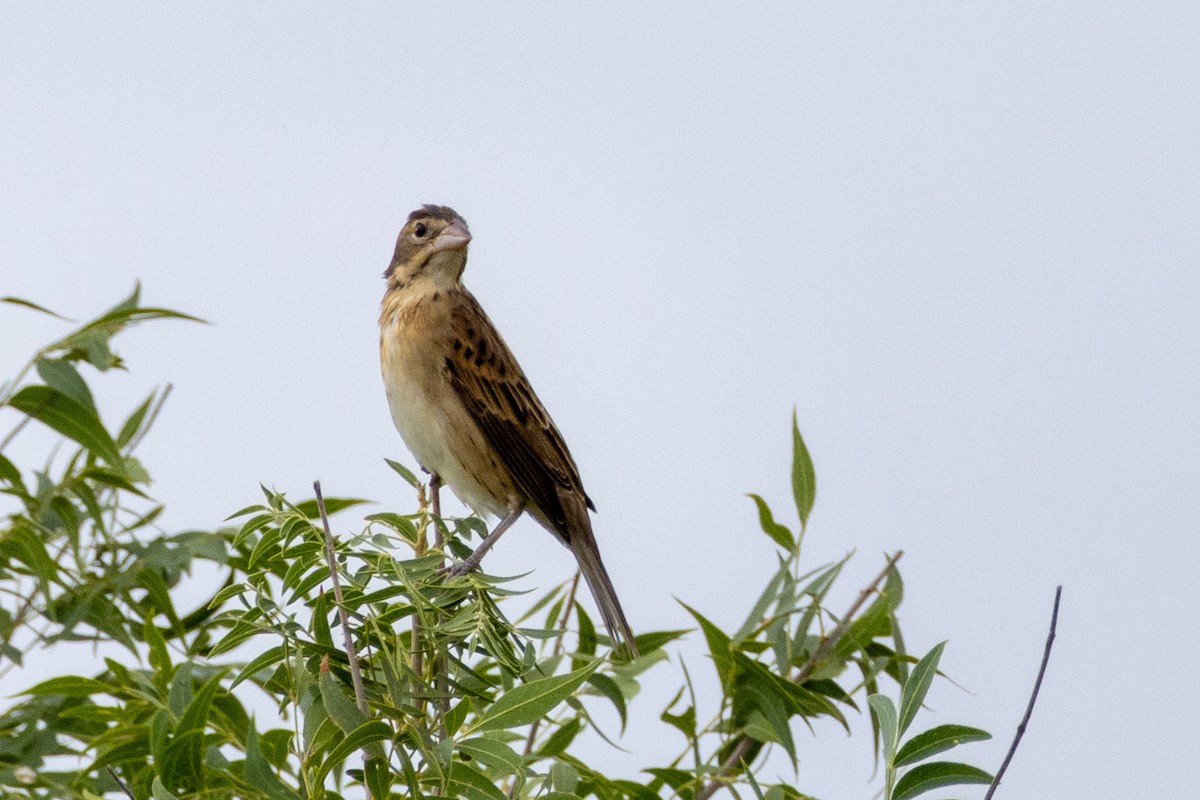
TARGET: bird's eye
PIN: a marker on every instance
(420, 230)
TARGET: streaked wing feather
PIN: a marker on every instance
(496, 394)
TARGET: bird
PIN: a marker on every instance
(466, 410)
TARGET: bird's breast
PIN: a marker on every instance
(431, 418)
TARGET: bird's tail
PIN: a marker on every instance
(583, 545)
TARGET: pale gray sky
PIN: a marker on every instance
(961, 238)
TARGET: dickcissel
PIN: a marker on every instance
(466, 410)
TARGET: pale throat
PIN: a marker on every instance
(444, 268)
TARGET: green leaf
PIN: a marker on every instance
(68, 417)
(757, 700)
(718, 647)
(531, 701)
(778, 533)
(10, 474)
(492, 752)
(655, 640)
(241, 631)
(564, 778)
(378, 776)
(61, 375)
(612, 690)
(340, 707)
(361, 738)
(71, 686)
(685, 723)
(332, 505)
(196, 715)
(24, 545)
(466, 781)
(160, 657)
(404, 472)
(804, 477)
(17, 301)
(134, 421)
(936, 775)
(769, 595)
(260, 662)
(181, 763)
(259, 772)
(937, 740)
(561, 739)
(885, 715)
(159, 792)
(917, 685)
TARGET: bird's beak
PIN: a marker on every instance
(453, 237)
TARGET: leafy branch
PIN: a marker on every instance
(430, 679)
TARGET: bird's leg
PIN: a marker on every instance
(435, 505)
(471, 563)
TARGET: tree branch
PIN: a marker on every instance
(360, 695)
(1037, 685)
(738, 754)
(124, 786)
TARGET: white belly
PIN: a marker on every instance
(436, 427)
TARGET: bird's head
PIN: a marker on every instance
(432, 246)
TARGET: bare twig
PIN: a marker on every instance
(124, 787)
(13, 433)
(1037, 685)
(360, 694)
(568, 607)
(830, 641)
(742, 748)
(416, 646)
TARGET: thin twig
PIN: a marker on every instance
(1032, 698)
(568, 606)
(124, 787)
(829, 642)
(360, 695)
(744, 744)
(417, 645)
(13, 433)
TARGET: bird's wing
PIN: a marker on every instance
(497, 395)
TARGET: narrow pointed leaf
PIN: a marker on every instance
(718, 647)
(779, 534)
(364, 736)
(338, 704)
(937, 740)
(159, 792)
(261, 774)
(917, 685)
(65, 415)
(404, 472)
(17, 301)
(935, 775)
(493, 752)
(531, 701)
(885, 716)
(468, 782)
(60, 374)
(804, 476)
